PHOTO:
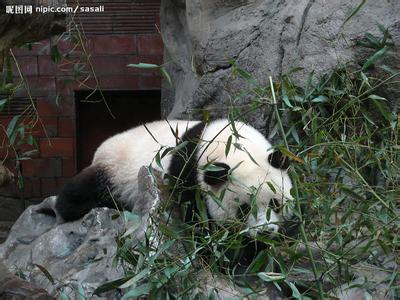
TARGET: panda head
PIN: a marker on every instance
(250, 181)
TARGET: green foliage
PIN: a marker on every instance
(18, 132)
(382, 45)
(162, 69)
(349, 145)
(343, 137)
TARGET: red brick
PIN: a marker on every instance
(66, 127)
(150, 45)
(122, 44)
(5, 119)
(47, 108)
(46, 127)
(28, 66)
(28, 150)
(65, 46)
(68, 167)
(42, 167)
(64, 107)
(150, 83)
(31, 188)
(38, 48)
(109, 65)
(6, 152)
(119, 82)
(57, 147)
(49, 186)
(42, 86)
(48, 67)
(66, 87)
(39, 86)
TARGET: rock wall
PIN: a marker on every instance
(265, 37)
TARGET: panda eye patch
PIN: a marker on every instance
(218, 176)
(278, 160)
(275, 205)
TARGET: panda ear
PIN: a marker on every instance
(217, 176)
(278, 160)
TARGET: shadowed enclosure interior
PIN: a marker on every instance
(96, 120)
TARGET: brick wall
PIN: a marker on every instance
(52, 87)
(55, 101)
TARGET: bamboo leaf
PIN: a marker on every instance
(110, 286)
(320, 99)
(2, 103)
(376, 97)
(55, 54)
(11, 125)
(135, 279)
(375, 57)
(143, 66)
(270, 276)
(354, 12)
(246, 75)
(165, 74)
(228, 145)
(45, 272)
(140, 290)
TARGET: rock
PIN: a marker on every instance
(77, 254)
(148, 199)
(13, 287)
(225, 289)
(265, 38)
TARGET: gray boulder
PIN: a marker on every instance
(264, 37)
(68, 258)
(78, 256)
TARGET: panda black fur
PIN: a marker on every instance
(250, 165)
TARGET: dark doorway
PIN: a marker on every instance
(95, 123)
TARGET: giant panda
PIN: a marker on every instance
(230, 160)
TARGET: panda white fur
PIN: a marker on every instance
(250, 166)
